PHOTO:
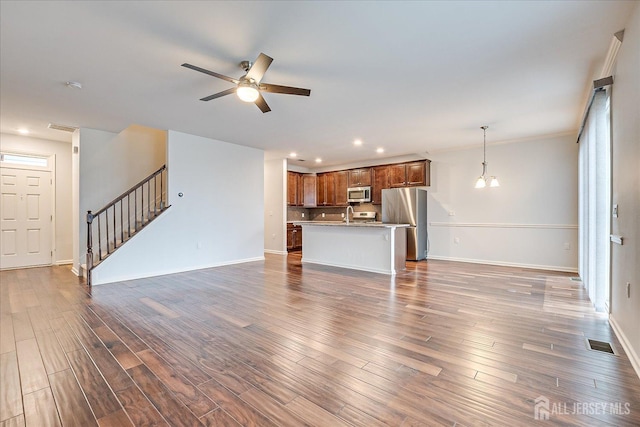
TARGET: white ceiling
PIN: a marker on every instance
(412, 77)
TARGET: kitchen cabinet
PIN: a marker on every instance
(292, 188)
(295, 189)
(341, 181)
(410, 174)
(326, 190)
(294, 237)
(309, 191)
(380, 178)
(359, 177)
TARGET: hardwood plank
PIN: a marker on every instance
(40, 409)
(65, 337)
(123, 355)
(11, 401)
(7, 338)
(159, 307)
(17, 421)
(188, 394)
(237, 408)
(52, 354)
(138, 408)
(100, 397)
(313, 414)
(72, 406)
(115, 419)
(218, 418)
(22, 329)
(33, 375)
(166, 403)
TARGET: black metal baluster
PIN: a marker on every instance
(89, 260)
(115, 235)
(121, 224)
(99, 240)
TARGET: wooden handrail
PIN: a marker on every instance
(129, 191)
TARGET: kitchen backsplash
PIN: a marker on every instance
(330, 213)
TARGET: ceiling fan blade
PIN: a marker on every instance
(219, 94)
(257, 70)
(262, 104)
(211, 73)
(266, 87)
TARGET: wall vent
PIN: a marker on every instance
(602, 346)
(63, 128)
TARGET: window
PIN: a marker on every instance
(23, 160)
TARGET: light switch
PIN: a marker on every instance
(614, 211)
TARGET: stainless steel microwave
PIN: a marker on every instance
(359, 194)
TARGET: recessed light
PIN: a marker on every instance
(292, 154)
(318, 160)
(380, 150)
(357, 142)
(23, 131)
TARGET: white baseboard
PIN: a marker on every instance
(64, 262)
(626, 345)
(271, 251)
(507, 264)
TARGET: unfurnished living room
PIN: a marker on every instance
(319, 213)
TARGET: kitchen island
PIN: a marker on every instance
(375, 247)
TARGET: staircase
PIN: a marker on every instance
(112, 226)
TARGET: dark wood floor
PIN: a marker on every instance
(275, 343)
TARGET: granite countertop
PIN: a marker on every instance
(351, 224)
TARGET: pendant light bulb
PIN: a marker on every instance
(494, 182)
(481, 183)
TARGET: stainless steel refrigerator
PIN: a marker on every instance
(408, 206)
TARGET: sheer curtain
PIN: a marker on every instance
(594, 202)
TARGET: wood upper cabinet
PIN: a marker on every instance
(309, 190)
(326, 189)
(411, 174)
(292, 188)
(341, 181)
(380, 178)
(359, 177)
(418, 173)
(397, 175)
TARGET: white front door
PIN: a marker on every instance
(25, 217)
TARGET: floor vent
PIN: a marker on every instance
(602, 346)
(576, 279)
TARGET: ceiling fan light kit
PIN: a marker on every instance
(483, 179)
(249, 87)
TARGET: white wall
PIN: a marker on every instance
(275, 206)
(625, 124)
(527, 221)
(108, 165)
(219, 220)
(63, 241)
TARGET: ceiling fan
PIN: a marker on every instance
(249, 87)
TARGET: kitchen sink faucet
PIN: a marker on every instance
(349, 207)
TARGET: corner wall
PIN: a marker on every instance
(625, 130)
(275, 214)
(218, 220)
(109, 164)
(529, 221)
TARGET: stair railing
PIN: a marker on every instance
(118, 222)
